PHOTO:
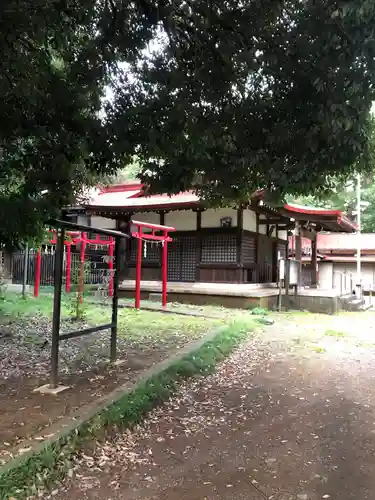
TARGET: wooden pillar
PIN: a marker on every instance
(240, 277)
(198, 254)
(162, 223)
(314, 263)
(298, 254)
(162, 218)
(124, 225)
(257, 253)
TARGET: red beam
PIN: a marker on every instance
(110, 266)
(38, 266)
(158, 227)
(68, 267)
(146, 236)
(138, 273)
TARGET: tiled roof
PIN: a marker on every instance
(330, 220)
(129, 200)
(346, 241)
(339, 241)
(132, 196)
(349, 258)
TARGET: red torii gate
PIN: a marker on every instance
(164, 238)
(76, 237)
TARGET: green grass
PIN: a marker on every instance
(146, 327)
(334, 333)
(318, 349)
(14, 305)
(54, 461)
(209, 310)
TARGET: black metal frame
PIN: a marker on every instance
(62, 226)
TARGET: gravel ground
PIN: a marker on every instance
(289, 416)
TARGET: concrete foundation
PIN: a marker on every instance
(239, 296)
(312, 303)
(17, 288)
(47, 389)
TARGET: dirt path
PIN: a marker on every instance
(290, 416)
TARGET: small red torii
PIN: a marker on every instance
(76, 237)
(164, 238)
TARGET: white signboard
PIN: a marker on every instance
(281, 269)
(293, 272)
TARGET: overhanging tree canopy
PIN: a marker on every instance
(230, 96)
(257, 93)
(56, 58)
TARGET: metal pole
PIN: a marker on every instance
(25, 270)
(358, 236)
(115, 300)
(59, 264)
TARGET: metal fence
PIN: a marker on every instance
(96, 269)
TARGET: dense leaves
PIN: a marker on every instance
(344, 197)
(226, 96)
(258, 93)
(56, 60)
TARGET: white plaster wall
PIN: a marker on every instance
(250, 224)
(249, 220)
(211, 217)
(325, 275)
(182, 220)
(103, 222)
(273, 232)
(367, 272)
(151, 217)
(82, 219)
(283, 235)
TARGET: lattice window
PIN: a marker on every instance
(265, 250)
(182, 258)
(151, 253)
(174, 260)
(249, 249)
(219, 248)
(281, 248)
(188, 258)
(92, 236)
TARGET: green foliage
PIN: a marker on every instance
(56, 61)
(237, 96)
(227, 98)
(259, 311)
(77, 306)
(334, 333)
(368, 212)
(54, 460)
(344, 198)
(128, 173)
